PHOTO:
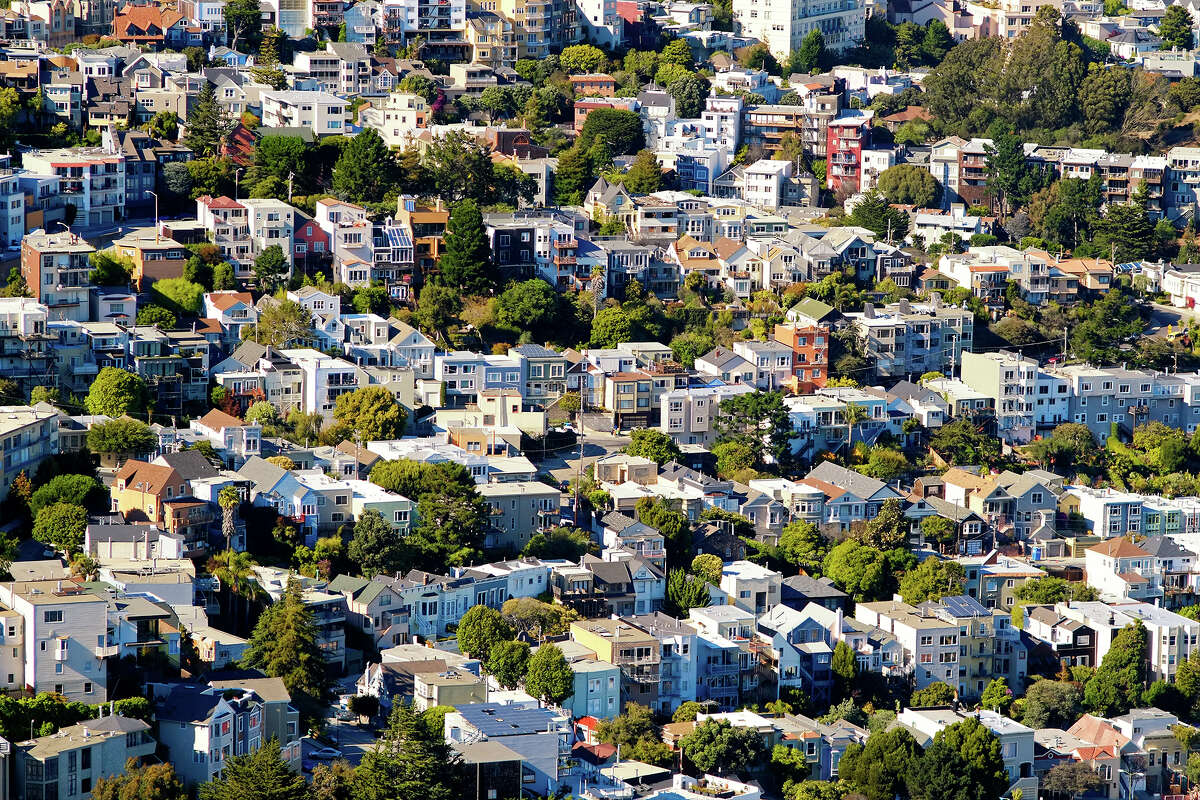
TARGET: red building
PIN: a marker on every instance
(847, 137)
(590, 104)
(808, 335)
(310, 244)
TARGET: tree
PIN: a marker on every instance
(801, 543)
(1051, 704)
(223, 276)
(685, 592)
(281, 323)
(450, 528)
(271, 267)
(549, 677)
(877, 769)
(581, 58)
(909, 184)
(689, 91)
(611, 326)
(859, 570)
(1007, 170)
(243, 21)
(1072, 778)
(939, 531)
(467, 254)
(146, 782)
(1175, 29)
(409, 762)
(229, 499)
(207, 123)
(653, 444)
(108, 270)
(266, 67)
(179, 295)
(573, 177)
(564, 543)
(365, 170)
(536, 619)
(758, 419)
(644, 175)
(507, 663)
(376, 546)
(937, 41)
(677, 51)
(284, 645)
(261, 412)
(887, 529)
(1118, 683)
(157, 316)
(620, 130)
(811, 53)
(1111, 321)
(278, 156)
(261, 774)
(933, 579)
(530, 304)
(997, 696)
(871, 211)
(116, 392)
(935, 694)
(964, 762)
(687, 711)
(122, 436)
(80, 490)
(1104, 98)
(708, 567)
(61, 525)
(481, 629)
(960, 442)
(371, 413)
(717, 746)
(845, 668)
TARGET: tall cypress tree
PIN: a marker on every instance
(365, 170)
(207, 123)
(266, 65)
(573, 177)
(284, 645)
(467, 255)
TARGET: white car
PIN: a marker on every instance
(325, 753)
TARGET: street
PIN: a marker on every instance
(1162, 315)
(564, 465)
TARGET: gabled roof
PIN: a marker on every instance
(1118, 548)
(143, 476)
(218, 420)
(190, 464)
(223, 301)
(862, 485)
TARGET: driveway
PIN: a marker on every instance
(353, 740)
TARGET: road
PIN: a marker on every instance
(596, 444)
(348, 737)
(1161, 316)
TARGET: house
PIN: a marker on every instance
(540, 736)
(140, 491)
(87, 751)
(1120, 570)
(231, 437)
(636, 652)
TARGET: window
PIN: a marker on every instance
(52, 616)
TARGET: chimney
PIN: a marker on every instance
(868, 311)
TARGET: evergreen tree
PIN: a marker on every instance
(266, 65)
(366, 169)
(573, 177)
(207, 123)
(270, 268)
(1175, 29)
(845, 668)
(243, 20)
(644, 175)
(259, 775)
(467, 255)
(284, 645)
(811, 52)
(1118, 684)
(410, 762)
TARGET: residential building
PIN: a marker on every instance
(783, 27)
(68, 763)
(636, 652)
(56, 267)
(95, 179)
(540, 736)
(907, 339)
(27, 437)
(322, 113)
(518, 510)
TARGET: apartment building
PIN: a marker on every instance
(68, 763)
(227, 222)
(94, 179)
(12, 205)
(783, 26)
(441, 23)
(270, 222)
(541, 26)
(398, 118)
(342, 68)
(56, 267)
(1012, 380)
(27, 346)
(905, 339)
(848, 136)
(955, 641)
(518, 510)
(750, 586)
(65, 640)
(321, 112)
(1171, 637)
(636, 652)
(153, 255)
(27, 437)
(1121, 570)
(203, 726)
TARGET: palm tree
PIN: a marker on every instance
(234, 572)
(852, 414)
(228, 499)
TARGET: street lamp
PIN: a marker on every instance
(155, 195)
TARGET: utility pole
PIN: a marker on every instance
(291, 175)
